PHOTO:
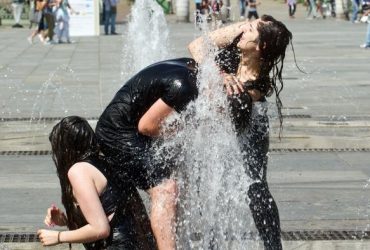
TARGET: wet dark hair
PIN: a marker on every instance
(273, 40)
(72, 140)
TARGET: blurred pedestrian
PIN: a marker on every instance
(216, 6)
(49, 19)
(39, 18)
(32, 14)
(198, 11)
(332, 7)
(252, 9)
(243, 5)
(170, 7)
(355, 8)
(292, 5)
(319, 8)
(311, 9)
(366, 45)
(110, 13)
(62, 20)
(17, 6)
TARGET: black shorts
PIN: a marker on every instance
(139, 161)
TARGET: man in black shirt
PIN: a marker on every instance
(130, 124)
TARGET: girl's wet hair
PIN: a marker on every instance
(274, 38)
(72, 140)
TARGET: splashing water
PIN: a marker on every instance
(146, 39)
(58, 96)
(213, 203)
(364, 208)
(54, 97)
(10, 105)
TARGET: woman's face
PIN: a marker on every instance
(248, 41)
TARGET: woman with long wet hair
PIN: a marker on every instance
(251, 57)
(101, 212)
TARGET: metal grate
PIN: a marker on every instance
(297, 116)
(286, 236)
(289, 150)
(325, 235)
(46, 119)
(272, 150)
(18, 237)
(21, 153)
(304, 235)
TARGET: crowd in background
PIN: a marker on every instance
(315, 9)
(52, 16)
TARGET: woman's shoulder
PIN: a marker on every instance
(81, 169)
(85, 172)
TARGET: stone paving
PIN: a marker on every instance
(327, 109)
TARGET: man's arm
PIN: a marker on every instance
(150, 123)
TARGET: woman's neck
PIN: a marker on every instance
(249, 68)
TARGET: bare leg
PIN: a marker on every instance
(163, 214)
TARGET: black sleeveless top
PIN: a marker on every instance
(130, 226)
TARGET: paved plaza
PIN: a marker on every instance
(319, 172)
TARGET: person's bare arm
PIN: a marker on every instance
(150, 123)
(221, 38)
(86, 194)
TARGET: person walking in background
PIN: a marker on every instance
(355, 8)
(39, 17)
(319, 8)
(292, 5)
(49, 20)
(62, 20)
(243, 5)
(216, 6)
(311, 9)
(332, 5)
(366, 45)
(17, 6)
(110, 13)
(198, 11)
(170, 7)
(252, 9)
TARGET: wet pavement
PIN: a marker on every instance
(318, 173)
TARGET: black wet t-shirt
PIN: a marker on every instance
(174, 81)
